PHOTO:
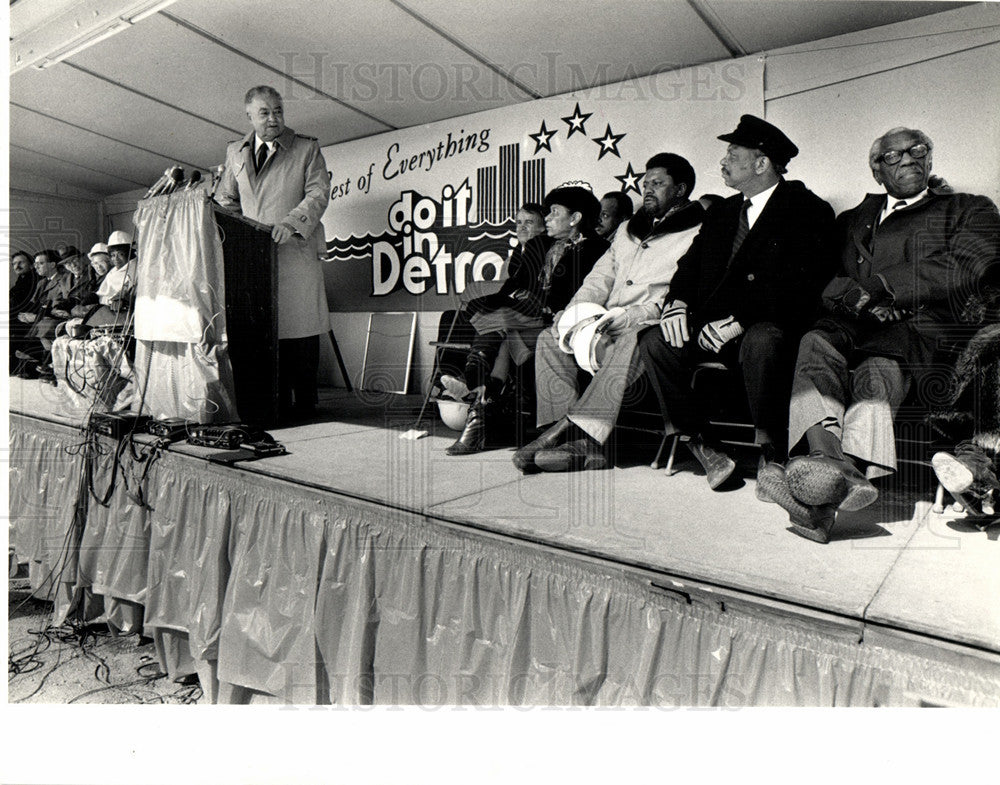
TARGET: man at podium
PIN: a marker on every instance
(278, 177)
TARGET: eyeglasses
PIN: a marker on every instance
(895, 156)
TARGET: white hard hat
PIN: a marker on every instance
(119, 237)
(98, 248)
(575, 317)
(453, 413)
(589, 346)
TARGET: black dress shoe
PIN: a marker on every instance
(818, 479)
(571, 456)
(524, 458)
(473, 438)
(718, 466)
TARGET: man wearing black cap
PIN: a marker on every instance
(629, 281)
(915, 263)
(743, 294)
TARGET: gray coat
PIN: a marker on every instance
(292, 189)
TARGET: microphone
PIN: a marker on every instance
(216, 179)
(193, 182)
(156, 187)
(176, 178)
(169, 179)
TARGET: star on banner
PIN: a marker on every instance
(609, 143)
(543, 139)
(630, 180)
(576, 121)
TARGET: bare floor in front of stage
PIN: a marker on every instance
(80, 663)
(896, 563)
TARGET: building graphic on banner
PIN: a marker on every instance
(438, 244)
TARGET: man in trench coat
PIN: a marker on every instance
(278, 177)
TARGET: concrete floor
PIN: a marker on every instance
(83, 664)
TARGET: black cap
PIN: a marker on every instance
(577, 200)
(69, 251)
(760, 135)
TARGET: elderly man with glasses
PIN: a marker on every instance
(895, 317)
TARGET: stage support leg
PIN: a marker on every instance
(340, 362)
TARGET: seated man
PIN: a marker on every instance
(910, 258)
(630, 280)
(117, 289)
(743, 294)
(37, 313)
(616, 208)
(23, 281)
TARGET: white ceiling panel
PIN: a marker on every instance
(68, 172)
(558, 47)
(61, 140)
(159, 57)
(78, 98)
(368, 53)
(753, 22)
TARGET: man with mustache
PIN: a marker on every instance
(278, 177)
(743, 294)
(911, 260)
(629, 280)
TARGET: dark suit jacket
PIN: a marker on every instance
(778, 272)
(932, 258)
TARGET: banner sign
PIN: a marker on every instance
(420, 218)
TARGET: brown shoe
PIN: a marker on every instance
(818, 479)
(524, 458)
(718, 466)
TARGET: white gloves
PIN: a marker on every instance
(715, 335)
(674, 323)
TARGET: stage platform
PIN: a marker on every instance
(366, 568)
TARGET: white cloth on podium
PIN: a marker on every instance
(182, 357)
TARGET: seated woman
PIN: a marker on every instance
(537, 287)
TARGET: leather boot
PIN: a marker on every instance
(473, 438)
(718, 466)
(524, 458)
(570, 456)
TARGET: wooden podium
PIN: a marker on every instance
(250, 261)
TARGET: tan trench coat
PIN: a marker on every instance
(293, 188)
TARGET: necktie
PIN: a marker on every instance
(742, 229)
(261, 157)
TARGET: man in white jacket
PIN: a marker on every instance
(630, 281)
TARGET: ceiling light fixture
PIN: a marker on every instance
(130, 14)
